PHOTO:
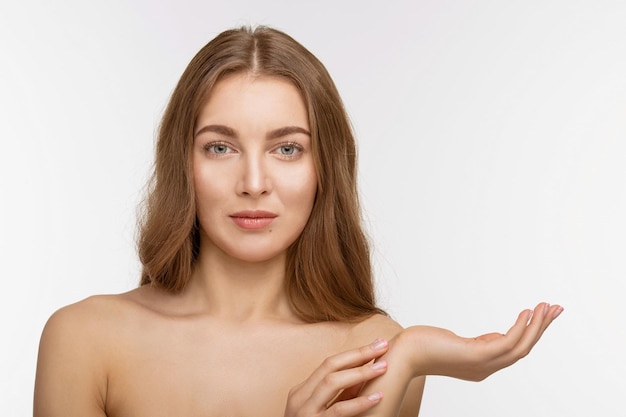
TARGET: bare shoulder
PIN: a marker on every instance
(88, 320)
(97, 321)
(75, 356)
(373, 327)
(78, 323)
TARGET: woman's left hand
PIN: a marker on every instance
(435, 351)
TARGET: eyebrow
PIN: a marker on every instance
(285, 131)
(274, 134)
(221, 129)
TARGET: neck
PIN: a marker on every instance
(232, 289)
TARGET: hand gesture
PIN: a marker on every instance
(333, 389)
(435, 351)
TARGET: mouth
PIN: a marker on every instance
(253, 219)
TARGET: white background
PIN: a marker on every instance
(492, 146)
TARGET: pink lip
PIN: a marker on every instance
(253, 219)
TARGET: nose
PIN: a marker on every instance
(254, 180)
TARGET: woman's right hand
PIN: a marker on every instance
(334, 388)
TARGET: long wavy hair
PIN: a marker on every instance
(328, 270)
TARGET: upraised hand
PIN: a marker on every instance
(436, 351)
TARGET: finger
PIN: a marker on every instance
(538, 325)
(516, 332)
(345, 360)
(500, 344)
(349, 393)
(334, 382)
(542, 316)
(534, 329)
(355, 406)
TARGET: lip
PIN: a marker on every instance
(253, 219)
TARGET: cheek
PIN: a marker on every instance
(305, 186)
(208, 192)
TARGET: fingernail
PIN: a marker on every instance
(375, 396)
(558, 312)
(379, 344)
(379, 365)
(546, 307)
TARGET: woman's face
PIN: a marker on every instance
(253, 169)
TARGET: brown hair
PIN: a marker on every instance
(328, 272)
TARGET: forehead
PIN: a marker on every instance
(252, 99)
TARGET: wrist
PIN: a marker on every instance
(403, 350)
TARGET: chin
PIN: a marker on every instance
(254, 251)
(259, 259)
(257, 256)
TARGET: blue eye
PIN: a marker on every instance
(288, 149)
(217, 148)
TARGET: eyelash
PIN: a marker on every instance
(296, 146)
(210, 148)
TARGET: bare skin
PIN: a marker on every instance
(230, 343)
(144, 353)
(129, 355)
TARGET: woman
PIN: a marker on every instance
(256, 296)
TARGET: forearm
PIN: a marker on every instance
(402, 391)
